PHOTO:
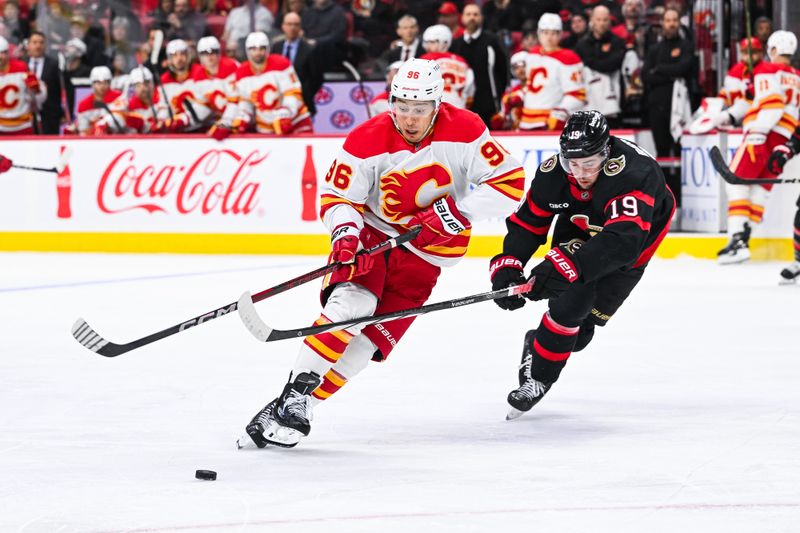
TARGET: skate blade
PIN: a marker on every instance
(735, 260)
(514, 413)
(784, 281)
(244, 442)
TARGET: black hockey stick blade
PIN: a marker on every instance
(265, 333)
(727, 174)
(95, 342)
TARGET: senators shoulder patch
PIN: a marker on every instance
(549, 164)
(614, 166)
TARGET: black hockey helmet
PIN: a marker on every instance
(585, 134)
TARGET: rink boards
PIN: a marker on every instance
(256, 194)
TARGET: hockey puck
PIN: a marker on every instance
(208, 475)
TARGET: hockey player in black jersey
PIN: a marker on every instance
(777, 160)
(612, 209)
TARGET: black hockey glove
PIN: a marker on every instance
(781, 154)
(554, 274)
(505, 271)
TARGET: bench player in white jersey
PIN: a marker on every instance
(512, 101)
(425, 163)
(267, 96)
(97, 112)
(555, 80)
(459, 80)
(178, 86)
(145, 111)
(737, 90)
(769, 123)
(20, 92)
(212, 81)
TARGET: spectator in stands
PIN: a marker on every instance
(503, 15)
(186, 23)
(602, 53)
(488, 60)
(46, 71)
(374, 21)
(18, 28)
(633, 25)
(409, 45)
(325, 26)
(161, 14)
(54, 23)
(529, 40)
(122, 50)
(299, 51)
(450, 16)
(669, 60)
(762, 29)
(250, 16)
(95, 49)
(578, 29)
(74, 68)
(586, 7)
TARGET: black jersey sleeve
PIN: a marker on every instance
(628, 204)
(529, 224)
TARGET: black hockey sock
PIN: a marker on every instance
(551, 348)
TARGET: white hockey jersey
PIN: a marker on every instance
(213, 93)
(459, 80)
(261, 98)
(93, 117)
(381, 180)
(15, 98)
(555, 82)
(776, 100)
(182, 101)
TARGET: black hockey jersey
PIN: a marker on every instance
(617, 224)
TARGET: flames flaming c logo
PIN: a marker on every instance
(405, 192)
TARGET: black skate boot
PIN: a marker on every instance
(738, 249)
(527, 358)
(790, 274)
(286, 419)
(525, 397)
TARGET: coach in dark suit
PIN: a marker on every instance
(301, 53)
(46, 69)
(488, 60)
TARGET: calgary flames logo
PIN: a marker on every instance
(404, 192)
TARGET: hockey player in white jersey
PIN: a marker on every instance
(178, 86)
(555, 86)
(459, 80)
(267, 97)
(426, 163)
(20, 93)
(212, 82)
(768, 124)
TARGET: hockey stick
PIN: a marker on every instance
(63, 158)
(92, 340)
(158, 41)
(349, 66)
(265, 333)
(727, 174)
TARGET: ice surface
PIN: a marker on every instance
(682, 415)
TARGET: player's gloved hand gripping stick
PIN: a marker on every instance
(92, 340)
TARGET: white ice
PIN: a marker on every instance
(682, 415)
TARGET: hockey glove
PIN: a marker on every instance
(345, 245)
(557, 119)
(5, 164)
(219, 132)
(441, 221)
(32, 82)
(779, 157)
(554, 274)
(282, 123)
(505, 271)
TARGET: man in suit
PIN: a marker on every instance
(46, 70)
(488, 60)
(408, 46)
(300, 52)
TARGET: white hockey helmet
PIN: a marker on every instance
(101, 73)
(438, 33)
(3, 44)
(418, 79)
(519, 58)
(208, 45)
(140, 75)
(549, 21)
(257, 39)
(784, 42)
(177, 45)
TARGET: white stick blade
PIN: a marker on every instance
(88, 337)
(249, 315)
(63, 159)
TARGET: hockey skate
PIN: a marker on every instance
(287, 419)
(790, 274)
(530, 391)
(738, 249)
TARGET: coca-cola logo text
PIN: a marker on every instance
(218, 181)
